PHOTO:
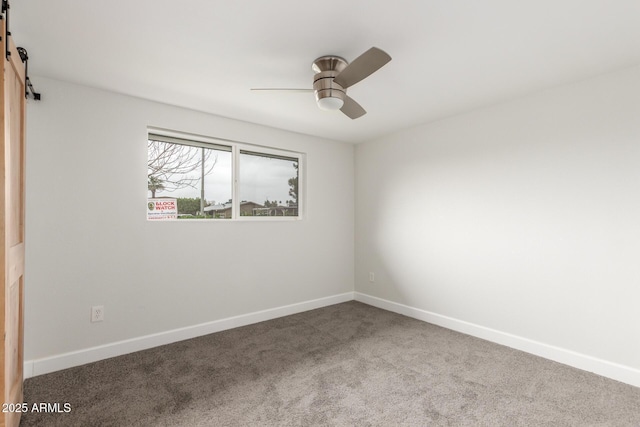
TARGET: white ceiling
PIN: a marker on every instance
(448, 56)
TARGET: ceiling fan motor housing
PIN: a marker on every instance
(329, 95)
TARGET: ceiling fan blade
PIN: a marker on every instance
(280, 89)
(352, 109)
(361, 67)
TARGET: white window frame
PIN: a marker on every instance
(236, 148)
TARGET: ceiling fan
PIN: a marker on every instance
(334, 75)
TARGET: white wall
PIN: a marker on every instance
(521, 219)
(88, 241)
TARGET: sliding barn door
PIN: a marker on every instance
(12, 229)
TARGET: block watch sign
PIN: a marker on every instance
(162, 209)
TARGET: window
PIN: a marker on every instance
(202, 178)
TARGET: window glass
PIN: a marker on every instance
(187, 181)
(194, 179)
(268, 185)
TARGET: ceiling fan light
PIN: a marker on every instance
(330, 103)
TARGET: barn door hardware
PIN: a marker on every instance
(28, 86)
(7, 33)
(21, 51)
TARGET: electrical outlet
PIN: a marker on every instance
(97, 313)
(372, 276)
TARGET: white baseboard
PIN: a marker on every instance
(622, 373)
(602, 367)
(45, 365)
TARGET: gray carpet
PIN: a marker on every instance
(343, 365)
